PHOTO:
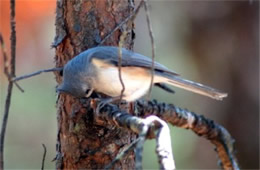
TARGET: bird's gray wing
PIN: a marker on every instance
(110, 55)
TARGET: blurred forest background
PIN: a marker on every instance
(212, 42)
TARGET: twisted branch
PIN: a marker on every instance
(200, 125)
(150, 127)
(178, 117)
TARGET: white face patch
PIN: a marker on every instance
(90, 91)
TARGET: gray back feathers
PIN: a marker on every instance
(129, 58)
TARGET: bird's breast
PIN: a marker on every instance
(136, 81)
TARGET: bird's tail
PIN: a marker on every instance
(194, 87)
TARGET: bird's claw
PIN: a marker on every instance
(100, 105)
(103, 102)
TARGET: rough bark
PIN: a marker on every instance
(81, 142)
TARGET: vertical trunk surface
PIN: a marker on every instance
(82, 143)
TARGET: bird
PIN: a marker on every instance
(96, 69)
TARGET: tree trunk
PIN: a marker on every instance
(81, 142)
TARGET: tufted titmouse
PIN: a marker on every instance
(96, 69)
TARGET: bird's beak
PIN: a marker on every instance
(60, 89)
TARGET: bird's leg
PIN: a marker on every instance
(105, 101)
(131, 109)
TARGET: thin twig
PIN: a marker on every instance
(6, 64)
(152, 43)
(36, 73)
(4, 123)
(122, 154)
(44, 155)
(130, 17)
(10, 85)
(5, 59)
(121, 43)
(19, 87)
(13, 37)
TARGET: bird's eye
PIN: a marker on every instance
(87, 91)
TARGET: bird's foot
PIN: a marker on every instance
(103, 102)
